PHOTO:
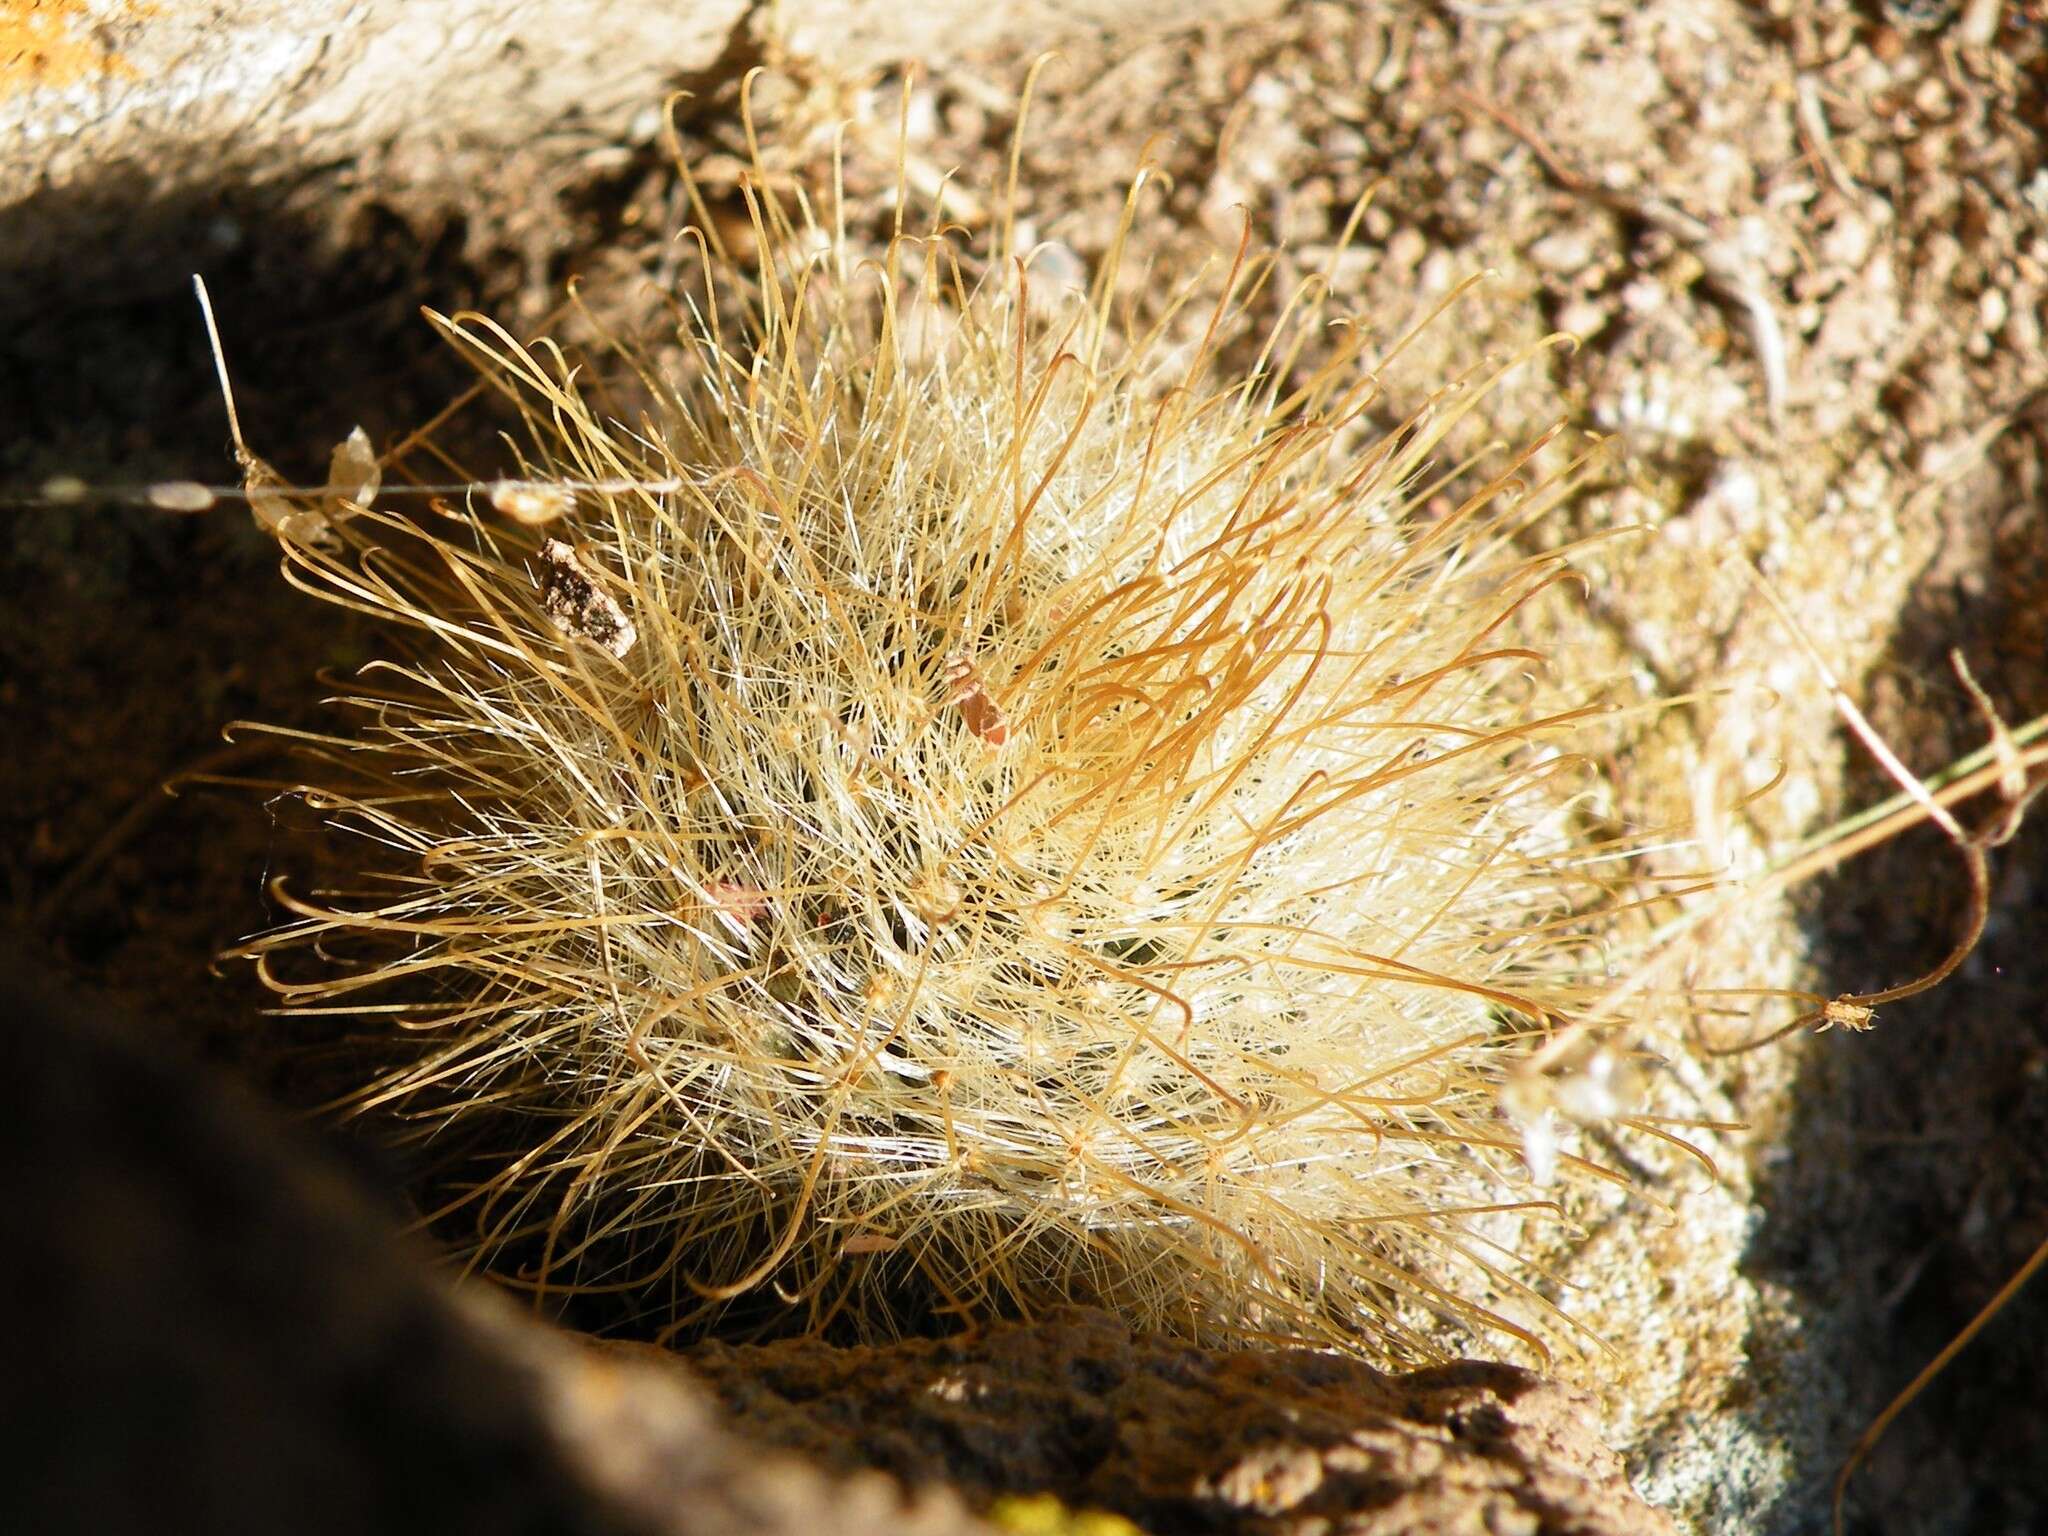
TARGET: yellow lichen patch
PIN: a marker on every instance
(48, 44)
(1043, 1515)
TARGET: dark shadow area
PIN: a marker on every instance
(136, 634)
(1913, 1179)
(216, 1334)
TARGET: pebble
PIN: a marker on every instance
(1563, 250)
(1584, 318)
(2023, 331)
(1847, 241)
(1406, 247)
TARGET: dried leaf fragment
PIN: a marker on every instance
(352, 474)
(353, 480)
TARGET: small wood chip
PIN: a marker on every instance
(572, 596)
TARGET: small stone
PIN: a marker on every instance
(1992, 309)
(1406, 247)
(1563, 251)
(1847, 241)
(1583, 318)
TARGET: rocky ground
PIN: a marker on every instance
(1805, 247)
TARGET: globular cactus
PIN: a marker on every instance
(942, 798)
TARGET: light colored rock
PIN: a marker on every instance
(107, 109)
(1274, 1442)
(190, 98)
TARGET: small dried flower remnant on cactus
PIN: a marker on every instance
(966, 693)
(1014, 818)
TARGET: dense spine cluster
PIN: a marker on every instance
(967, 806)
